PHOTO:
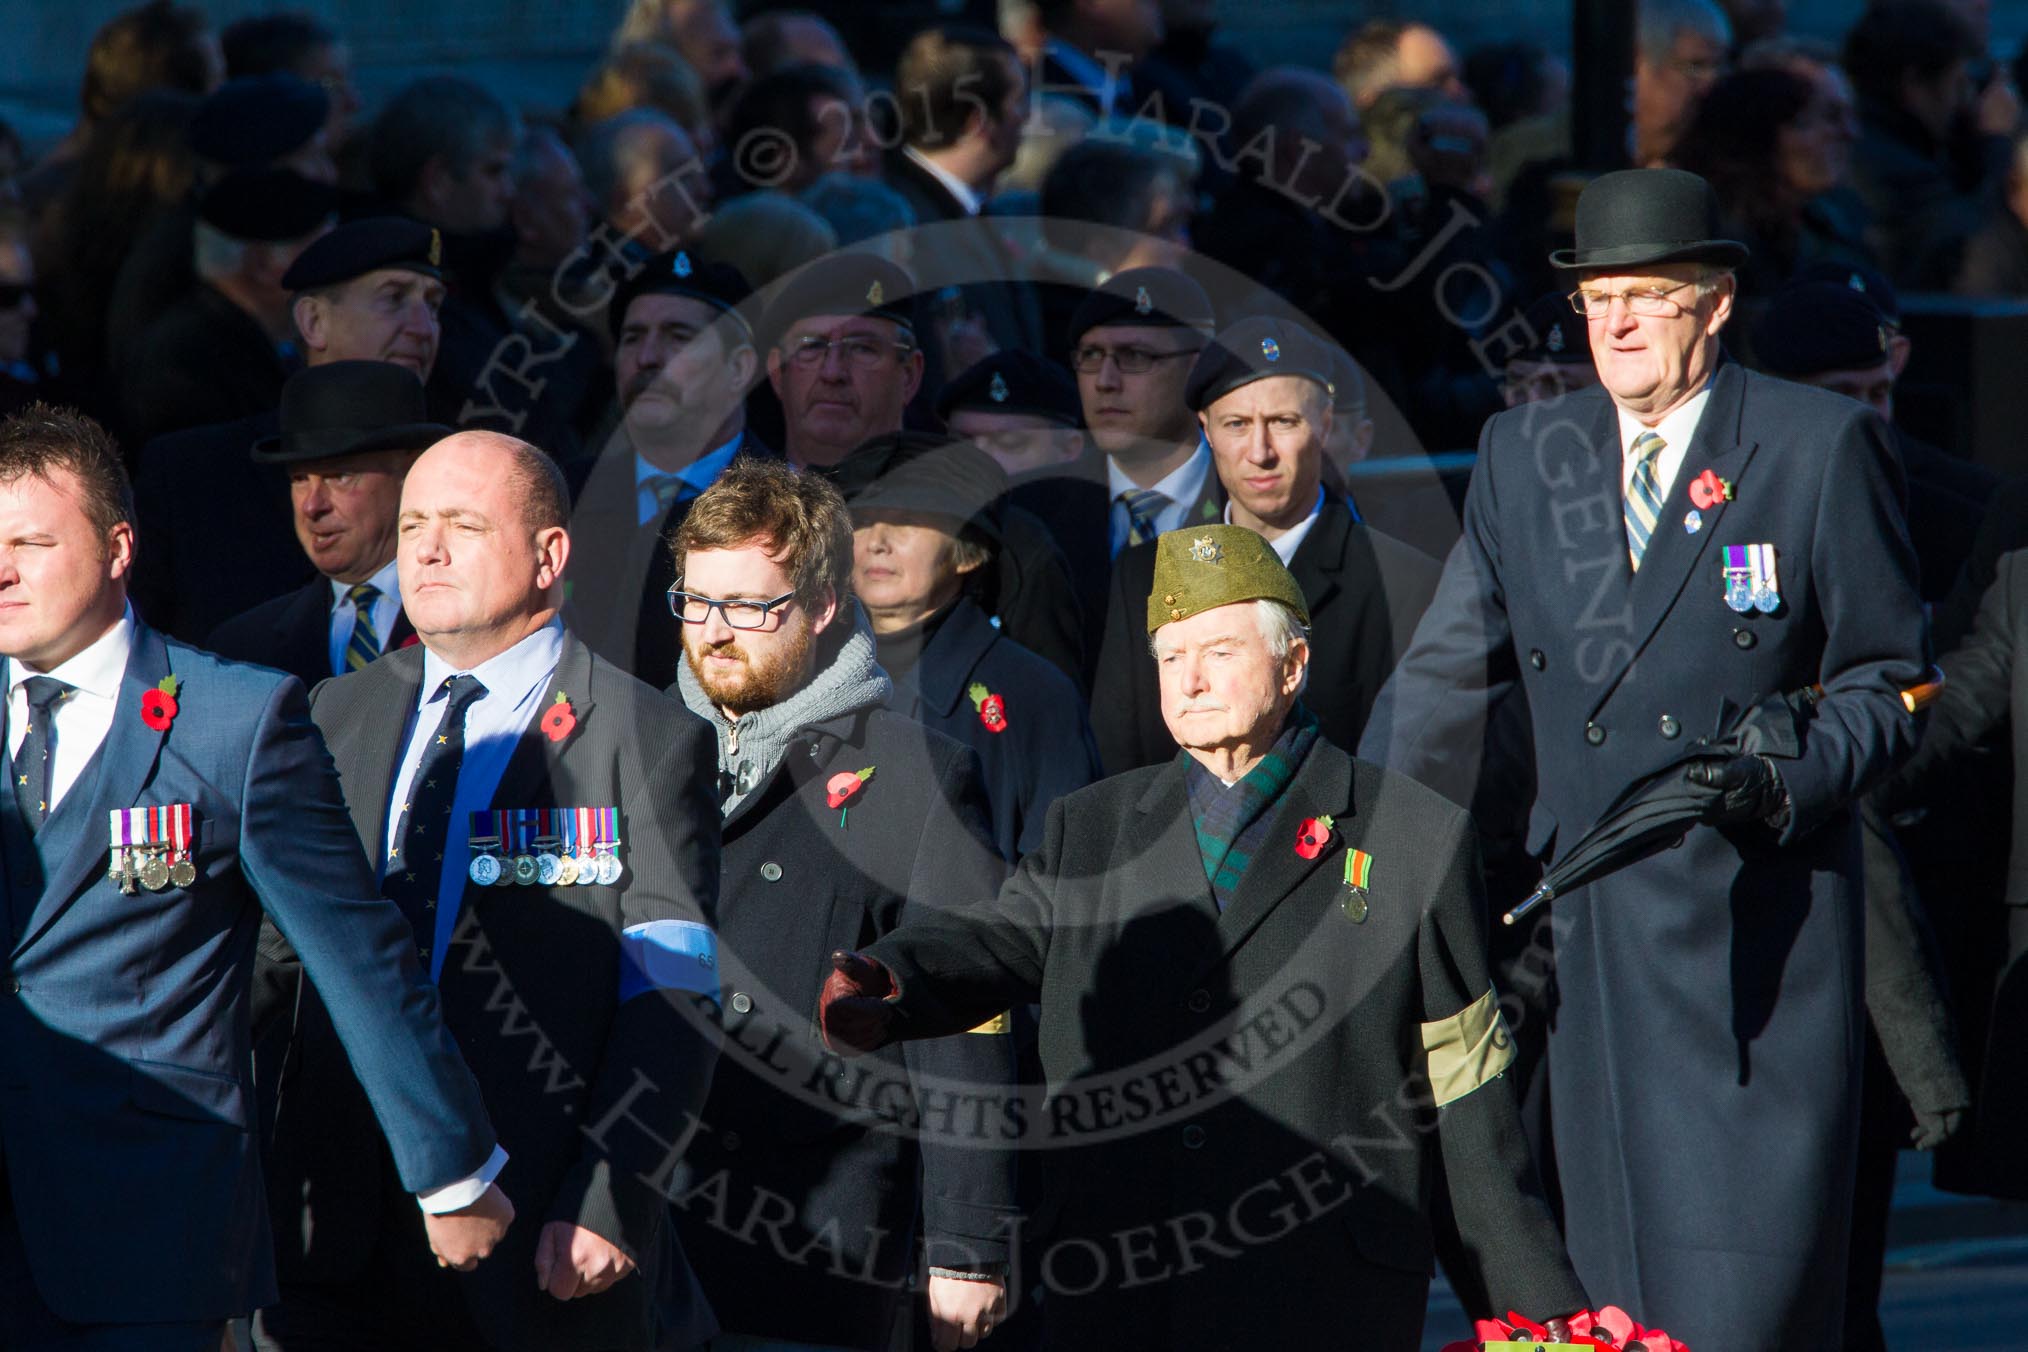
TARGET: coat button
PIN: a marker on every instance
(771, 871)
(1200, 1001)
(1536, 659)
(1743, 638)
(741, 1002)
(1594, 734)
(1669, 727)
(730, 1141)
(1193, 1137)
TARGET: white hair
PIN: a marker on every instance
(1662, 20)
(1280, 627)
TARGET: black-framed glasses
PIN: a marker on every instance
(1132, 361)
(862, 352)
(691, 608)
(1651, 301)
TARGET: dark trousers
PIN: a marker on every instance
(28, 1325)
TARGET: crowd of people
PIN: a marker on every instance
(1005, 603)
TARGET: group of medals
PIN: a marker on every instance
(546, 847)
(1750, 579)
(152, 848)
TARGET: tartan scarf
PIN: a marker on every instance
(1232, 822)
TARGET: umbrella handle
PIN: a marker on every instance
(1535, 898)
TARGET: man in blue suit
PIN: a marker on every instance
(1636, 557)
(130, 1194)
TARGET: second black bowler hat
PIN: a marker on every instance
(359, 247)
(681, 273)
(1014, 382)
(349, 408)
(1643, 217)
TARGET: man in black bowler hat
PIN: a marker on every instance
(350, 430)
(684, 358)
(368, 290)
(224, 350)
(1262, 391)
(1688, 541)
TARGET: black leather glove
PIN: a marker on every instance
(1749, 790)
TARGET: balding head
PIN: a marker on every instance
(482, 545)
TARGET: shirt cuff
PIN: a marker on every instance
(461, 1194)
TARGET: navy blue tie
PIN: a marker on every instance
(415, 865)
(34, 762)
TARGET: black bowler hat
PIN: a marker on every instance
(257, 118)
(266, 205)
(1558, 333)
(849, 283)
(1811, 328)
(1641, 217)
(920, 472)
(349, 408)
(359, 247)
(680, 273)
(1255, 349)
(1144, 297)
(1014, 382)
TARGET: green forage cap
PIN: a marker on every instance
(1201, 568)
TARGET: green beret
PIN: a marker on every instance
(1210, 566)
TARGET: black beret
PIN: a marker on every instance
(1861, 277)
(1814, 327)
(1559, 334)
(679, 273)
(257, 119)
(1254, 349)
(266, 205)
(919, 472)
(849, 283)
(1149, 297)
(1014, 382)
(359, 247)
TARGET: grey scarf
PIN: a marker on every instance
(750, 749)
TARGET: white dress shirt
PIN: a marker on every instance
(1289, 541)
(386, 607)
(1675, 432)
(1181, 486)
(967, 197)
(82, 721)
(700, 474)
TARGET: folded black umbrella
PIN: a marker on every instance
(1654, 811)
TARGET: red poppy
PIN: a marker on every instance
(1708, 490)
(992, 708)
(844, 786)
(158, 706)
(558, 723)
(1312, 836)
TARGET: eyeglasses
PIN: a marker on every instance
(694, 609)
(1132, 361)
(1652, 301)
(864, 353)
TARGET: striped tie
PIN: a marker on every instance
(1143, 505)
(364, 645)
(1644, 496)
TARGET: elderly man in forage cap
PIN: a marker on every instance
(1261, 890)
(1688, 540)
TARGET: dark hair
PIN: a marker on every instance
(781, 102)
(42, 439)
(438, 115)
(799, 518)
(1896, 37)
(1105, 182)
(262, 44)
(1733, 139)
(157, 46)
(764, 39)
(946, 74)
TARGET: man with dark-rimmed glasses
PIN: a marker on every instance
(842, 355)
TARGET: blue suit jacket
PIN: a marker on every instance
(125, 1078)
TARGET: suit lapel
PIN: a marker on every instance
(945, 668)
(125, 764)
(1674, 551)
(1322, 785)
(1324, 554)
(372, 756)
(526, 780)
(1162, 859)
(306, 630)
